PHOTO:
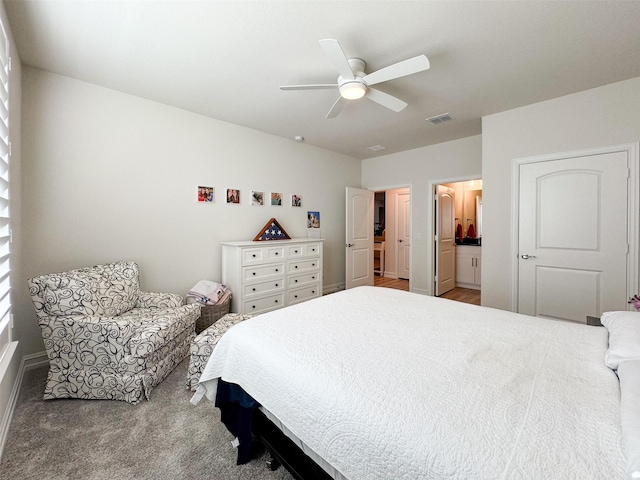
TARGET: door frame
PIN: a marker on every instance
(431, 251)
(633, 207)
(394, 187)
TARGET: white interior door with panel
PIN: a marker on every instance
(403, 205)
(573, 237)
(445, 264)
(359, 238)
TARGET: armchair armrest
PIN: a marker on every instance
(159, 300)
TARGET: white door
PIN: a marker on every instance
(445, 240)
(403, 204)
(359, 246)
(572, 240)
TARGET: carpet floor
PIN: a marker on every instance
(163, 438)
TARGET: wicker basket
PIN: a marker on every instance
(210, 313)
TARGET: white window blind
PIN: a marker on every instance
(5, 227)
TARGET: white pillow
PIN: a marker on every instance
(624, 337)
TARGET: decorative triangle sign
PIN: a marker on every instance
(272, 231)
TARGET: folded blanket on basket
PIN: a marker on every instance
(208, 293)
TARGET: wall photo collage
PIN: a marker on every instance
(207, 195)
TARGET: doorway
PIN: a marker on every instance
(389, 224)
(392, 237)
(457, 240)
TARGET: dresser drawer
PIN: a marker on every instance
(296, 281)
(264, 304)
(312, 250)
(299, 251)
(300, 295)
(304, 265)
(253, 289)
(262, 271)
(261, 254)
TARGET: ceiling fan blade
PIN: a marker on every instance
(337, 108)
(319, 86)
(397, 70)
(335, 53)
(386, 100)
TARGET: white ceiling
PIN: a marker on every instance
(226, 59)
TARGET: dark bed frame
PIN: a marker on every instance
(284, 451)
(242, 416)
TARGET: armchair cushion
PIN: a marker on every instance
(102, 290)
(159, 300)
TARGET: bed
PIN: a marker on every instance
(373, 383)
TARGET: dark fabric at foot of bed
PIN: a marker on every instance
(236, 412)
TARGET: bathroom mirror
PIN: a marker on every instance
(472, 212)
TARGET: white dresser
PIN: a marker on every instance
(271, 274)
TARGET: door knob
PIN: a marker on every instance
(525, 256)
(400, 240)
(349, 245)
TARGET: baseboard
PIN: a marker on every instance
(336, 287)
(28, 362)
(421, 291)
(35, 360)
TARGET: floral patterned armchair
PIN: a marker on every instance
(106, 339)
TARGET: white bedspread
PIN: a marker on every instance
(385, 384)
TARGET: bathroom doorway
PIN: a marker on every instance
(458, 240)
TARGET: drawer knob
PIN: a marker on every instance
(254, 273)
(276, 269)
(276, 301)
(276, 284)
(276, 253)
(253, 289)
(296, 266)
(296, 281)
(295, 296)
(313, 264)
(313, 278)
(295, 251)
(313, 291)
(253, 306)
(313, 249)
(254, 255)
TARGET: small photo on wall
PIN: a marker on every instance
(257, 198)
(313, 219)
(296, 200)
(206, 194)
(276, 198)
(233, 195)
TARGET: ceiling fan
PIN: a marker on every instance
(353, 83)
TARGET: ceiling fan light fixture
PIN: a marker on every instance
(352, 90)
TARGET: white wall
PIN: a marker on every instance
(608, 115)
(455, 160)
(109, 176)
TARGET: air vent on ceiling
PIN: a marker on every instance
(376, 148)
(438, 119)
